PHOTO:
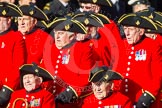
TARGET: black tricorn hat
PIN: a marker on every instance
(33, 11)
(36, 70)
(9, 10)
(151, 14)
(103, 74)
(135, 2)
(68, 24)
(158, 31)
(135, 20)
(88, 19)
(98, 2)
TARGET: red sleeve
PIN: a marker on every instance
(17, 61)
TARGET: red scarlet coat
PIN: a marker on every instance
(70, 66)
(158, 102)
(110, 41)
(140, 64)
(11, 58)
(38, 99)
(35, 41)
(116, 100)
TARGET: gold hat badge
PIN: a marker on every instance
(86, 21)
(106, 77)
(4, 12)
(31, 12)
(94, 1)
(137, 22)
(67, 27)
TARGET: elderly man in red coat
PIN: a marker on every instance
(108, 37)
(104, 95)
(34, 37)
(69, 61)
(12, 51)
(32, 96)
(140, 62)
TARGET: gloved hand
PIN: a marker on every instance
(66, 96)
(145, 101)
(5, 94)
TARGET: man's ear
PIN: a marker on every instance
(141, 31)
(71, 37)
(112, 85)
(97, 9)
(40, 80)
(35, 21)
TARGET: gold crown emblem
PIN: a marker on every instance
(94, 1)
(106, 77)
(4, 12)
(86, 21)
(137, 22)
(67, 27)
(31, 12)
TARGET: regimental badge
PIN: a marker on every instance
(86, 21)
(31, 12)
(137, 22)
(35, 102)
(2, 45)
(67, 27)
(140, 55)
(106, 77)
(4, 12)
(66, 58)
(94, 1)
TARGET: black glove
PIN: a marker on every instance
(145, 101)
(67, 96)
(5, 94)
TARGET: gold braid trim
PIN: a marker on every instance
(20, 99)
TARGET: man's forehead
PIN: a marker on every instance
(28, 75)
(86, 4)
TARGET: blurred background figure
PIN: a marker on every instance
(138, 5)
(26, 2)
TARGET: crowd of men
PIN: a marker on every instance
(71, 54)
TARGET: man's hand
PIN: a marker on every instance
(145, 101)
(66, 96)
(5, 94)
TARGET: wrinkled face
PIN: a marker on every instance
(133, 34)
(26, 24)
(31, 82)
(5, 24)
(87, 7)
(62, 38)
(101, 89)
(139, 7)
(26, 2)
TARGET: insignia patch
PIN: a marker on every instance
(67, 27)
(31, 12)
(35, 103)
(140, 55)
(66, 58)
(86, 21)
(94, 1)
